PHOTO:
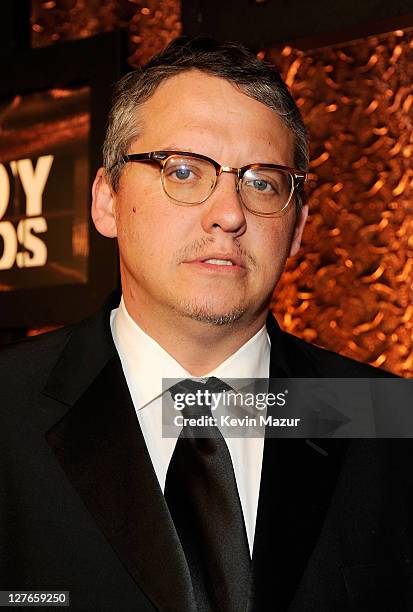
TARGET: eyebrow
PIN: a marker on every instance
(175, 148)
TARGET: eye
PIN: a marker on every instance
(182, 173)
(269, 182)
(261, 185)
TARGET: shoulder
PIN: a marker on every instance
(28, 362)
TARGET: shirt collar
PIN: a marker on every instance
(146, 363)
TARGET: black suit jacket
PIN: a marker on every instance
(81, 508)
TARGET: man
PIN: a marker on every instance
(204, 164)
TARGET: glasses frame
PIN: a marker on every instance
(299, 177)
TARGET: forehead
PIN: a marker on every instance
(205, 113)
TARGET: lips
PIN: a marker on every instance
(219, 259)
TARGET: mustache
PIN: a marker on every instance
(199, 248)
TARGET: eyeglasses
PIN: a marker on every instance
(189, 179)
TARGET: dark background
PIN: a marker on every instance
(255, 23)
(259, 24)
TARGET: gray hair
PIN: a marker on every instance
(233, 62)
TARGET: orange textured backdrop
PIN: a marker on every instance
(350, 287)
(151, 24)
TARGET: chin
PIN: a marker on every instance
(213, 314)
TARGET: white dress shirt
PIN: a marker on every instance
(145, 363)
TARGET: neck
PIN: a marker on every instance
(197, 346)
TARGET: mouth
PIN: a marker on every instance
(219, 262)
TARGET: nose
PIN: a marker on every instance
(224, 210)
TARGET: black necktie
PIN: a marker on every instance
(202, 496)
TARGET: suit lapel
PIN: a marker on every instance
(297, 481)
(101, 449)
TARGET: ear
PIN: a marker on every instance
(298, 230)
(103, 206)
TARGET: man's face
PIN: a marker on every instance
(164, 247)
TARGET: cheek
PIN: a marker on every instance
(150, 229)
(273, 252)
(273, 241)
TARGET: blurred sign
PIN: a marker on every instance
(55, 268)
(44, 184)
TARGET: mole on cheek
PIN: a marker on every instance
(134, 209)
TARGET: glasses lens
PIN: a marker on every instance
(266, 191)
(188, 180)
